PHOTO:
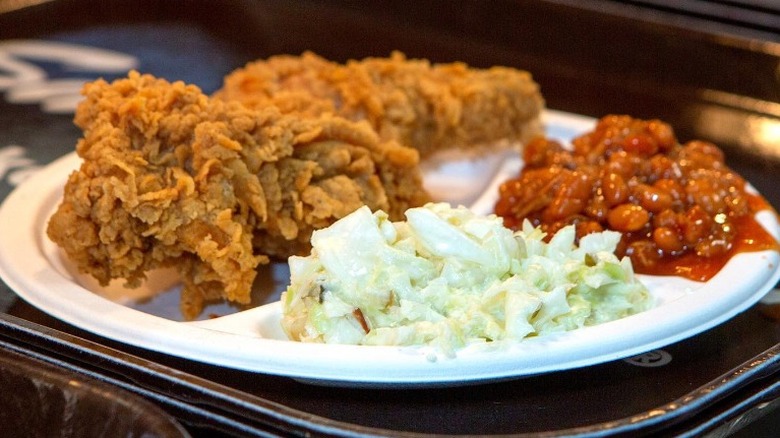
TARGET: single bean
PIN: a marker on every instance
(652, 198)
(614, 189)
(672, 187)
(644, 254)
(667, 218)
(628, 217)
(587, 227)
(696, 225)
(667, 240)
(662, 133)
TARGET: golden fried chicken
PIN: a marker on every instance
(429, 107)
(171, 177)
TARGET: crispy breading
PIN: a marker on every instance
(423, 105)
(171, 177)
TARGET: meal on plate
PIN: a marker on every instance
(680, 209)
(214, 187)
(447, 277)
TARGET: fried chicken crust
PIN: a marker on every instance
(171, 177)
(423, 105)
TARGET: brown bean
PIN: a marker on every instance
(652, 198)
(640, 144)
(667, 240)
(661, 167)
(535, 152)
(628, 217)
(667, 218)
(614, 189)
(672, 187)
(562, 207)
(623, 164)
(644, 254)
(696, 225)
(662, 133)
(704, 150)
(571, 196)
(587, 227)
(579, 185)
(704, 190)
(597, 208)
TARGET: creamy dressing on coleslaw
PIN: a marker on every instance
(447, 277)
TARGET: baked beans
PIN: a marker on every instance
(680, 209)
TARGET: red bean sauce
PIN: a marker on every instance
(680, 209)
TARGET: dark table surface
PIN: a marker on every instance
(713, 75)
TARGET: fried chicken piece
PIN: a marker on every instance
(171, 177)
(429, 107)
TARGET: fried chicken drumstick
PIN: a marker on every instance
(171, 177)
(423, 105)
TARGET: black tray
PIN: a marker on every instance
(709, 77)
(43, 399)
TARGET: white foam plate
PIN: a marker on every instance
(252, 340)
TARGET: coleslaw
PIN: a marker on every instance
(447, 277)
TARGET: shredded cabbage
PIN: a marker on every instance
(448, 277)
